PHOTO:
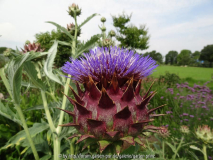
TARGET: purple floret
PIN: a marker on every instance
(104, 63)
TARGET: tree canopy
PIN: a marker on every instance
(46, 40)
(184, 58)
(155, 55)
(207, 54)
(171, 57)
(130, 36)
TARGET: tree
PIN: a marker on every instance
(155, 55)
(195, 58)
(207, 54)
(130, 36)
(2, 49)
(184, 58)
(171, 57)
(46, 40)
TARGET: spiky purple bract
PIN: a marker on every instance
(111, 110)
(105, 62)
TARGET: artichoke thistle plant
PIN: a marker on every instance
(110, 110)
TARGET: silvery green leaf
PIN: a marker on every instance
(8, 113)
(32, 73)
(49, 64)
(88, 45)
(20, 137)
(88, 19)
(62, 28)
(195, 148)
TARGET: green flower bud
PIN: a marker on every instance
(74, 9)
(184, 129)
(103, 29)
(107, 42)
(205, 134)
(71, 28)
(103, 19)
(112, 33)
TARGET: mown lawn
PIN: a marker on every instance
(190, 74)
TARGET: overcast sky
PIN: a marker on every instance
(172, 24)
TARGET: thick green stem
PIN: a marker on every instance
(75, 37)
(61, 117)
(72, 147)
(179, 146)
(204, 152)
(47, 111)
(21, 115)
(57, 147)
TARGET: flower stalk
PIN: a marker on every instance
(204, 152)
(21, 115)
(57, 141)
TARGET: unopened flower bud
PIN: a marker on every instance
(71, 28)
(184, 129)
(107, 42)
(74, 9)
(205, 134)
(163, 132)
(103, 29)
(112, 33)
(103, 19)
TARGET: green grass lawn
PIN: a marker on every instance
(192, 75)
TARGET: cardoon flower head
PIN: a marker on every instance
(74, 9)
(164, 132)
(104, 63)
(111, 110)
(184, 129)
(205, 133)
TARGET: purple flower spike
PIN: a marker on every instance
(191, 116)
(105, 62)
(186, 120)
(185, 114)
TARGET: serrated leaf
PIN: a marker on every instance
(87, 20)
(3, 60)
(50, 105)
(21, 136)
(62, 28)
(64, 43)
(172, 147)
(192, 153)
(5, 81)
(195, 148)
(49, 64)
(88, 45)
(32, 73)
(14, 71)
(26, 84)
(8, 113)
